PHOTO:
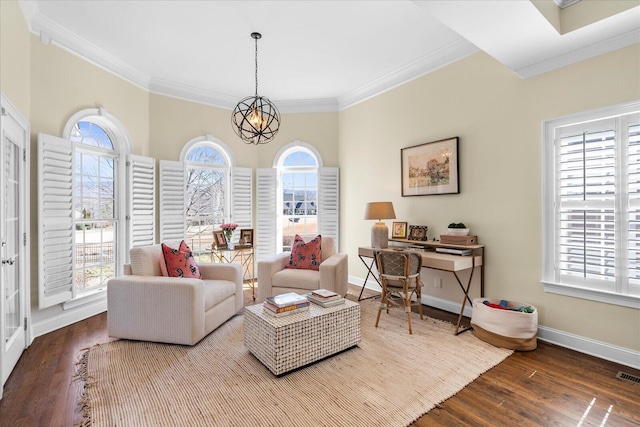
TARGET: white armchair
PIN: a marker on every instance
(275, 279)
(144, 305)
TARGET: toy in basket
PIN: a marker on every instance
(507, 324)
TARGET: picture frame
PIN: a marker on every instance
(430, 168)
(247, 235)
(399, 230)
(418, 233)
(219, 238)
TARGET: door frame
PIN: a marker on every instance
(7, 109)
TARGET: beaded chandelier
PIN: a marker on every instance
(255, 119)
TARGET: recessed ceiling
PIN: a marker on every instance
(314, 55)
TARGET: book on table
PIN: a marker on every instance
(268, 305)
(287, 299)
(324, 293)
(325, 302)
(287, 312)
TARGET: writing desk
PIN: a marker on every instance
(241, 253)
(438, 261)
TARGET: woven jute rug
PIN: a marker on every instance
(390, 379)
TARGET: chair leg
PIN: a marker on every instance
(419, 295)
(382, 302)
(407, 308)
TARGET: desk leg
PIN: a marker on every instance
(369, 272)
(464, 301)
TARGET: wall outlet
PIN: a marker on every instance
(437, 282)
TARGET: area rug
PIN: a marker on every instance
(390, 379)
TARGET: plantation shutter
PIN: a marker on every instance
(172, 201)
(586, 204)
(266, 217)
(241, 198)
(56, 272)
(633, 229)
(328, 203)
(141, 194)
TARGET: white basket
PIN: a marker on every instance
(505, 328)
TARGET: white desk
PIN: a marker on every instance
(438, 261)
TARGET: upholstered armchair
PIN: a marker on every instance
(147, 306)
(275, 279)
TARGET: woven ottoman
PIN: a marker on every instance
(286, 343)
(505, 328)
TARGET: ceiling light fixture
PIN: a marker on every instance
(255, 119)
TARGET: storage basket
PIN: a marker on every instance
(505, 328)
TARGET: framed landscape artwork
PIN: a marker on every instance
(430, 168)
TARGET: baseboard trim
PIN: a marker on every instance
(68, 317)
(602, 350)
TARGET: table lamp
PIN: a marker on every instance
(379, 231)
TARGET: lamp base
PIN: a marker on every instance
(379, 235)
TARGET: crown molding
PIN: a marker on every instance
(442, 57)
(596, 49)
(49, 30)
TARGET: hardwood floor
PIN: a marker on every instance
(549, 386)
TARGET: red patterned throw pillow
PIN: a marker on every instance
(306, 256)
(180, 262)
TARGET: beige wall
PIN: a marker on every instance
(61, 85)
(14, 56)
(498, 117)
(174, 122)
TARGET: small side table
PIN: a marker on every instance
(239, 253)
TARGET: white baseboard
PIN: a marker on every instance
(68, 317)
(621, 355)
(600, 349)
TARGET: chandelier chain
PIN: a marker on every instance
(256, 67)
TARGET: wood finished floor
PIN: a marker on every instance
(550, 386)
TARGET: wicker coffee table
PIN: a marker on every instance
(286, 343)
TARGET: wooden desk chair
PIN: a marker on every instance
(399, 273)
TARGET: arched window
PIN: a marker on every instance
(207, 164)
(297, 167)
(95, 201)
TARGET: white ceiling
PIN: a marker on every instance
(314, 55)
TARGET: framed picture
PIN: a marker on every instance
(418, 232)
(399, 230)
(246, 236)
(219, 238)
(430, 168)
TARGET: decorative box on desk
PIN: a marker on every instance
(458, 240)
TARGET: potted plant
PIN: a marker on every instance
(458, 229)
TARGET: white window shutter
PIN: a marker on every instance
(328, 203)
(241, 197)
(172, 197)
(56, 273)
(141, 194)
(266, 217)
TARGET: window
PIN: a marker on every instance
(592, 205)
(296, 196)
(298, 177)
(94, 204)
(202, 191)
(95, 200)
(207, 190)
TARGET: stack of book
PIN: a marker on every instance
(285, 304)
(325, 298)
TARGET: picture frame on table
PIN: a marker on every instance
(430, 168)
(418, 232)
(219, 238)
(246, 236)
(399, 230)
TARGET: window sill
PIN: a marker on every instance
(592, 294)
(85, 298)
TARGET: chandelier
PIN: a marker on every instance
(255, 119)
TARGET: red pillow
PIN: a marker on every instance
(306, 256)
(180, 262)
